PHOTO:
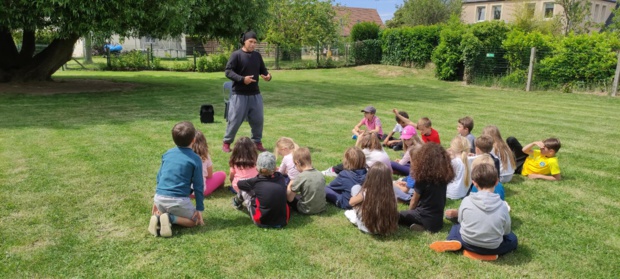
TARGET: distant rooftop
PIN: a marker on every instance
(356, 15)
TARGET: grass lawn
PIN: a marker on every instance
(77, 177)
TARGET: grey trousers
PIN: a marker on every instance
(242, 107)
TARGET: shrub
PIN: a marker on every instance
(130, 61)
(364, 31)
(366, 52)
(518, 47)
(448, 56)
(409, 46)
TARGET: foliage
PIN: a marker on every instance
(366, 52)
(424, 12)
(409, 46)
(212, 63)
(471, 48)
(67, 20)
(518, 47)
(575, 15)
(527, 21)
(364, 31)
(585, 57)
(447, 57)
(130, 61)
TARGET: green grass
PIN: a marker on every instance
(77, 176)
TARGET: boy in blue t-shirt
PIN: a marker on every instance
(180, 169)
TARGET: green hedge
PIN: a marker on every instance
(366, 52)
(364, 31)
(409, 46)
(448, 55)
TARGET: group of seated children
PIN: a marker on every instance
(472, 169)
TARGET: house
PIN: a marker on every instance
(348, 16)
(483, 10)
(164, 48)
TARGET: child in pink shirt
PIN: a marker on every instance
(371, 121)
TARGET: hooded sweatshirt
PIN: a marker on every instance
(343, 183)
(484, 220)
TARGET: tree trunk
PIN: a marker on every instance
(23, 67)
(88, 50)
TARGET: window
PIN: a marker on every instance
(531, 8)
(595, 17)
(548, 12)
(480, 13)
(603, 12)
(497, 12)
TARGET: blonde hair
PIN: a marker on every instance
(200, 146)
(459, 146)
(370, 141)
(354, 159)
(285, 143)
(500, 147)
(302, 157)
(416, 141)
(483, 159)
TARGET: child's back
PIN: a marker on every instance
(268, 206)
(484, 219)
(343, 184)
(310, 184)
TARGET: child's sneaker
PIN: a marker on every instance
(476, 256)
(236, 203)
(329, 172)
(153, 224)
(449, 245)
(166, 227)
(417, 228)
(351, 215)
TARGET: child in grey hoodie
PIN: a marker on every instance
(484, 223)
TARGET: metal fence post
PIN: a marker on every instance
(530, 70)
(616, 76)
(194, 53)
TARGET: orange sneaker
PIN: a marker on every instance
(476, 256)
(449, 245)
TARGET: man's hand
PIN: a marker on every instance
(197, 218)
(266, 77)
(248, 79)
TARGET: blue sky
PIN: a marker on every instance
(386, 8)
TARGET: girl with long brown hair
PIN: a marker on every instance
(374, 207)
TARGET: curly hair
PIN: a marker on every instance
(431, 165)
(379, 211)
(244, 154)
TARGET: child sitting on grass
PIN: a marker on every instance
(285, 147)
(410, 140)
(424, 125)
(242, 165)
(459, 150)
(338, 192)
(484, 222)
(502, 152)
(374, 207)
(267, 204)
(432, 172)
(213, 180)
(371, 121)
(392, 142)
(180, 168)
(464, 128)
(310, 184)
(540, 163)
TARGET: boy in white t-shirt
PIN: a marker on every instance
(392, 142)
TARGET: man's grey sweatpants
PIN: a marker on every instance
(241, 107)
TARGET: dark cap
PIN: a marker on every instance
(370, 109)
(248, 35)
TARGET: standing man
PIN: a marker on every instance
(243, 68)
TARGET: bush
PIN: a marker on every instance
(448, 56)
(580, 58)
(364, 31)
(409, 46)
(518, 47)
(130, 61)
(366, 52)
(213, 63)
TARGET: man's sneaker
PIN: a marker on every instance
(259, 146)
(153, 224)
(226, 147)
(237, 204)
(166, 227)
(417, 228)
(329, 172)
(476, 256)
(442, 246)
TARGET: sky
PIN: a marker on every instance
(386, 8)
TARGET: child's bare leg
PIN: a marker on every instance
(452, 213)
(185, 222)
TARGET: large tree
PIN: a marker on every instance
(575, 16)
(295, 23)
(68, 20)
(424, 12)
